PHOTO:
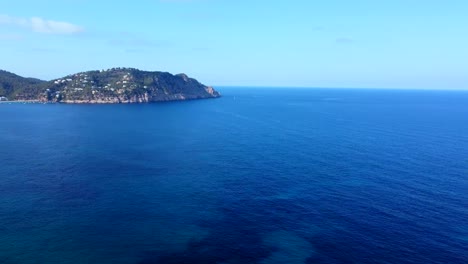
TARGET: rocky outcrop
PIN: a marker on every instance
(117, 85)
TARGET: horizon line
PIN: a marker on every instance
(337, 87)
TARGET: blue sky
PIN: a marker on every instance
(347, 43)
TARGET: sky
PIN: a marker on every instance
(294, 43)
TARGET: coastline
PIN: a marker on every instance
(23, 102)
(102, 102)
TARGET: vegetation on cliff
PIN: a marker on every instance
(12, 85)
(116, 85)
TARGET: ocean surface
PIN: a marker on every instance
(260, 175)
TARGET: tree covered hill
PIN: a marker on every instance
(116, 85)
(11, 85)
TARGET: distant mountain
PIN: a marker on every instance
(117, 85)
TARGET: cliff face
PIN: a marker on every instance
(118, 85)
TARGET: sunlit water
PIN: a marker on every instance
(257, 176)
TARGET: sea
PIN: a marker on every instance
(260, 175)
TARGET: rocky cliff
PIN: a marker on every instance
(117, 85)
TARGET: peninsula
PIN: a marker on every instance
(116, 85)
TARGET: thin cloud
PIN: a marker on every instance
(133, 41)
(134, 50)
(44, 50)
(40, 25)
(344, 40)
(11, 37)
(180, 1)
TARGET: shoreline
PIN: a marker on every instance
(102, 102)
(22, 102)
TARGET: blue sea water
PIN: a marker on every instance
(257, 176)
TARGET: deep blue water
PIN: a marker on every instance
(257, 176)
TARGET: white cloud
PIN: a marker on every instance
(41, 25)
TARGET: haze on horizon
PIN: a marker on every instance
(359, 43)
